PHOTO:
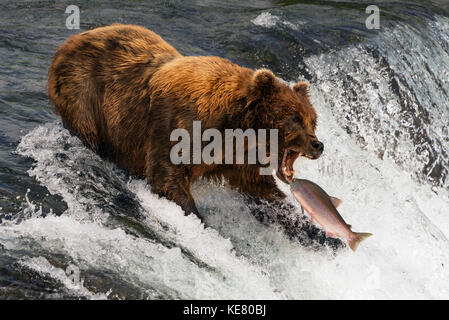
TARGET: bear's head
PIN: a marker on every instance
(278, 106)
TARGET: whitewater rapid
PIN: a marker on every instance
(160, 253)
(407, 257)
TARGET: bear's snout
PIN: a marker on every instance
(317, 148)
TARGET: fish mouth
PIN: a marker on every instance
(285, 171)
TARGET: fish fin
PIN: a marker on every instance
(358, 237)
(335, 201)
(302, 210)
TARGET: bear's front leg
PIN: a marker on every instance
(174, 191)
(185, 201)
(172, 182)
(248, 180)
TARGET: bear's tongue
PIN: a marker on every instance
(287, 164)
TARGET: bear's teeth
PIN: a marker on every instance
(286, 171)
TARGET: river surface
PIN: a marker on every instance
(73, 226)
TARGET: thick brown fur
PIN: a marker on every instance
(122, 90)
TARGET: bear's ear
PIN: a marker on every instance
(264, 80)
(302, 88)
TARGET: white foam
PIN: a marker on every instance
(357, 88)
(406, 258)
(236, 256)
(82, 235)
(268, 20)
(46, 145)
(265, 19)
(42, 266)
(139, 261)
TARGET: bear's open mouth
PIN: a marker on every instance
(286, 169)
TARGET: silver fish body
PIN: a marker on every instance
(322, 208)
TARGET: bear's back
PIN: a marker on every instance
(114, 52)
(99, 83)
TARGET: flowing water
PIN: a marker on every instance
(74, 226)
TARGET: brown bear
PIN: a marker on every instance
(122, 90)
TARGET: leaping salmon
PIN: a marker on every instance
(322, 208)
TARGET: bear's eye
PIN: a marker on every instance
(297, 119)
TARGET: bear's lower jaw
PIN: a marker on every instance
(285, 171)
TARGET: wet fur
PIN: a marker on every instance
(122, 90)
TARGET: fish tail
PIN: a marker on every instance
(357, 238)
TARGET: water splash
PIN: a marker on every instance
(390, 94)
(375, 160)
(236, 256)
